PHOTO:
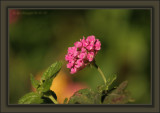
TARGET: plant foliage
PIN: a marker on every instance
(43, 92)
(104, 94)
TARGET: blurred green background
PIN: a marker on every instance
(38, 38)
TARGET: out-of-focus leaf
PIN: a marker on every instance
(118, 96)
(52, 71)
(31, 98)
(121, 87)
(85, 96)
(34, 82)
(65, 101)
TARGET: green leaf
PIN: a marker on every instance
(85, 96)
(31, 98)
(35, 83)
(52, 71)
(45, 86)
(118, 96)
(48, 76)
(108, 83)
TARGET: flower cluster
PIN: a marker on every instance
(82, 53)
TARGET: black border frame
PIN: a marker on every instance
(91, 105)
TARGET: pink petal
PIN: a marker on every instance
(82, 55)
(69, 65)
(78, 44)
(73, 70)
(90, 56)
(90, 47)
(91, 39)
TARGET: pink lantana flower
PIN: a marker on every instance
(82, 53)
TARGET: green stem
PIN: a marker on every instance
(51, 97)
(100, 71)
